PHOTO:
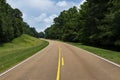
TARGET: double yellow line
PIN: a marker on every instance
(59, 64)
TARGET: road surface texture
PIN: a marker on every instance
(60, 61)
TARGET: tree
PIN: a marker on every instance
(12, 24)
(95, 23)
(41, 35)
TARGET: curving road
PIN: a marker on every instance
(60, 61)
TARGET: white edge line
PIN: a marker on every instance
(104, 59)
(99, 57)
(22, 62)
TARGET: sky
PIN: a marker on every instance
(40, 13)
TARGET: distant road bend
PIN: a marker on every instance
(60, 61)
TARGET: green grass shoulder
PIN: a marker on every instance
(18, 50)
(108, 54)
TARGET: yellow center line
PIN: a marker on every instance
(59, 68)
(63, 63)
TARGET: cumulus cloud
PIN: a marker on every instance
(41, 21)
(82, 1)
(49, 19)
(41, 17)
(40, 13)
(62, 4)
(31, 3)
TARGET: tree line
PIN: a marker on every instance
(12, 24)
(96, 22)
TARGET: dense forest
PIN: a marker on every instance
(96, 22)
(12, 24)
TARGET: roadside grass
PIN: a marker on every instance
(108, 54)
(18, 50)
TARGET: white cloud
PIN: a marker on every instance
(41, 17)
(40, 13)
(41, 21)
(62, 4)
(31, 3)
(82, 2)
(50, 18)
(41, 4)
(24, 16)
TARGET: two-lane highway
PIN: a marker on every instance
(60, 61)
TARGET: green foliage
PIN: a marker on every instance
(41, 35)
(97, 23)
(65, 26)
(12, 24)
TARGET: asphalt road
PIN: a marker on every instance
(60, 61)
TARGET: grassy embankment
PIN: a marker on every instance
(18, 50)
(108, 54)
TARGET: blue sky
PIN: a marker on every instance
(40, 13)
